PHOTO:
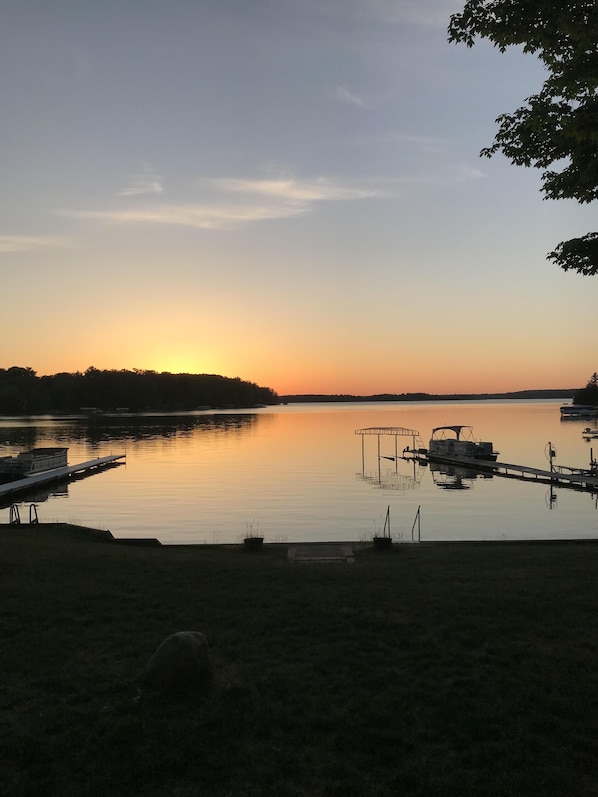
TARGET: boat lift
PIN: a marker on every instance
(389, 431)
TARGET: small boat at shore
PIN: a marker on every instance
(457, 442)
(30, 463)
(590, 434)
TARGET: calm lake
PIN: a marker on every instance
(299, 473)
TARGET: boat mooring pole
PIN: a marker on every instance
(418, 521)
(362, 456)
(551, 454)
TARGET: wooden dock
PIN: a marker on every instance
(579, 478)
(563, 476)
(22, 486)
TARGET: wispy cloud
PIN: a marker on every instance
(265, 200)
(145, 181)
(201, 217)
(307, 191)
(439, 174)
(463, 173)
(348, 97)
(30, 243)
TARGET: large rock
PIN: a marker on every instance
(180, 663)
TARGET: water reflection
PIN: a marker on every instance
(391, 480)
(453, 477)
(95, 430)
(202, 477)
(18, 437)
(446, 476)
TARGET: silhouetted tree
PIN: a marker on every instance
(22, 392)
(558, 126)
(588, 394)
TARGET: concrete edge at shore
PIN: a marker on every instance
(105, 536)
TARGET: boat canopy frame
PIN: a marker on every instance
(462, 432)
(388, 430)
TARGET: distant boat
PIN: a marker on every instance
(589, 434)
(29, 463)
(458, 442)
(578, 411)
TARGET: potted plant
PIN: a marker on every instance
(253, 541)
(384, 540)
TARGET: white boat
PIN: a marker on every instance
(578, 411)
(590, 434)
(457, 442)
(29, 463)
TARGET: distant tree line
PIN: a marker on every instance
(588, 394)
(22, 392)
(518, 394)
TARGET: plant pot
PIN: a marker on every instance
(382, 543)
(253, 543)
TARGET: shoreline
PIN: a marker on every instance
(106, 536)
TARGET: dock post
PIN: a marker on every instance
(418, 521)
(362, 457)
(550, 454)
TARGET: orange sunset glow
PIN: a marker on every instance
(315, 220)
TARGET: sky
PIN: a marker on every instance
(285, 191)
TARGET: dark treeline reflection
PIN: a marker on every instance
(100, 429)
(23, 392)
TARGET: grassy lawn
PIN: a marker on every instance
(456, 669)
